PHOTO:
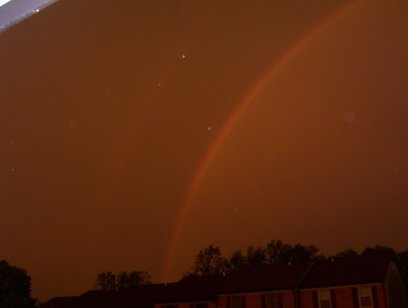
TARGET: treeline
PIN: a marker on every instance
(110, 281)
(211, 261)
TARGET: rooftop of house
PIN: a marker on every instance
(58, 302)
(348, 271)
(193, 288)
(141, 296)
(265, 278)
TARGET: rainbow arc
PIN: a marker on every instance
(250, 96)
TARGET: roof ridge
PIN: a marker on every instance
(305, 274)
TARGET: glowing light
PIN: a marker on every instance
(72, 124)
(2, 2)
(16, 11)
(349, 116)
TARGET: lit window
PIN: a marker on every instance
(365, 297)
(199, 305)
(324, 299)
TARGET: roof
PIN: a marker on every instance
(58, 302)
(93, 298)
(348, 271)
(265, 278)
(143, 296)
(193, 289)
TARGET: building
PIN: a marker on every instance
(355, 282)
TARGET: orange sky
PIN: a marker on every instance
(107, 114)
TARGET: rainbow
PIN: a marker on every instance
(242, 105)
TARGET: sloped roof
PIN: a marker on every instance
(58, 302)
(93, 298)
(348, 271)
(192, 289)
(139, 297)
(265, 278)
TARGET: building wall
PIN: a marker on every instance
(288, 299)
(222, 302)
(381, 296)
(210, 304)
(253, 301)
(256, 300)
(305, 299)
(343, 297)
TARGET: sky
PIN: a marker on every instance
(135, 133)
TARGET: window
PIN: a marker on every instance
(237, 302)
(272, 300)
(324, 299)
(365, 297)
(199, 305)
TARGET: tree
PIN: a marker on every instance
(278, 252)
(378, 249)
(109, 281)
(237, 260)
(347, 253)
(122, 280)
(137, 278)
(209, 261)
(106, 281)
(134, 278)
(15, 287)
(255, 256)
(299, 252)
